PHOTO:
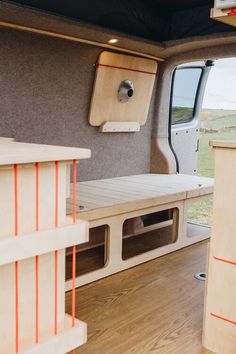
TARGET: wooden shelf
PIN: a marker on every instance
(68, 339)
(223, 16)
(14, 249)
(12, 152)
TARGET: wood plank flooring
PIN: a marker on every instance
(156, 307)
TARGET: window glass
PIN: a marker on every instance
(184, 94)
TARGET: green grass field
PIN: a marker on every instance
(201, 212)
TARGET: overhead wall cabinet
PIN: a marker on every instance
(220, 310)
(34, 234)
(224, 11)
(122, 92)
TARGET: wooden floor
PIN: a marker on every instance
(156, 307)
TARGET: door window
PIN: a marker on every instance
(184, 94)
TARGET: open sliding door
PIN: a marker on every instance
(188, 88)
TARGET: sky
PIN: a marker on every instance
(221, 86)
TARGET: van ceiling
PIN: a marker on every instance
(158, 20)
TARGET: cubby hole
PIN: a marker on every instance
(90, 256)
(149, 231)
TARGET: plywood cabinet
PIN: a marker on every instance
(220, 310)
(110, 112)
(34, 234)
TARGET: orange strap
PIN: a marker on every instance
(124, 68)
(56, 252)
(224, 260)
(16, 197)
(16, 263)
(74, 247)
(213, 314)
(223, 318)
(37, 258)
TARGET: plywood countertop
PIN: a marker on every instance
(12, 152)
(230, 144)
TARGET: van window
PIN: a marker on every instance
(184, 93)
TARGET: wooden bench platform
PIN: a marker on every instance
(112, 201)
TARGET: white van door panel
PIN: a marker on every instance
(185, 144)
(188, 87)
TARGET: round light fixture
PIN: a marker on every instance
(113, 41)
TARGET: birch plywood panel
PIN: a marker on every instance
(112, 69)
(26, 268)
(224, 226)
(219, 333)
(23, 153)
(107, 197)
(32, 215)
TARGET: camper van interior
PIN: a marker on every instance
(117, 177)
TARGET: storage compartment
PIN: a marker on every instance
(91, 255)
(148, 232)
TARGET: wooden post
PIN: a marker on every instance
(219, 333)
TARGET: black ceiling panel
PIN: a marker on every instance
(158, 20)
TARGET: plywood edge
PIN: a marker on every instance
(116, 127)
(202, 191)
(19, 153)
(127, 207)
(67, 340)
(4, 139)
(230, 144)
(26, 246)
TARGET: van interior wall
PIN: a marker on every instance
(46, 87)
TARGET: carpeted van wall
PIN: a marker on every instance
(46, 87)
